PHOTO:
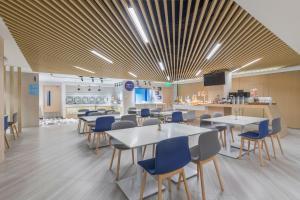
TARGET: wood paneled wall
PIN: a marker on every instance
(283, 87)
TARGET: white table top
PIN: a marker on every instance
(167, 113)
(140, 136)
(93, 118)
(233, 120)
(82, 113)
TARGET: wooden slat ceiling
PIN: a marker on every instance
(55, 35)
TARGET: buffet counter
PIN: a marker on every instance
(72, 110)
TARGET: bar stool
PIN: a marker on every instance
(206, 151)
(130, 117)
(150, 122)
(5, 129)
(13, 125)
(120, 146)
(257, 137)
(170, 158)
(102, 124)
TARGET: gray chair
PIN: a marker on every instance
(131, 110)
(130, 117)
(155, 112)
(205, 124)
(150, 122)
(124, 124)
(13, 125)
(222, 128)
(274, 133)
(189, 117)
(109, 112)
(206, 151)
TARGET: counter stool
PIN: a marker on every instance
(170, 158)
(120, 146)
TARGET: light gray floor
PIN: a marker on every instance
(55, 163)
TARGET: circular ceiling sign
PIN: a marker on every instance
(129, 85)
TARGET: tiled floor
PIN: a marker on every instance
(55, 162)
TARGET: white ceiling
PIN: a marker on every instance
(12, 52)
(282, 17)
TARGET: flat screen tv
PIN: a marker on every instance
(216, 78)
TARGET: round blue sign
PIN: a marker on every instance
(129, 85)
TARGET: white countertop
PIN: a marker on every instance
(140, 136)
(236, 120)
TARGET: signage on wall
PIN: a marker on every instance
(129, 85)
(33, 89)
(168, 84)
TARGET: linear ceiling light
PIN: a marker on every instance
(83, 69)
(168, 78)
(132, 74)
(101, 56)
(161, 65)
(197, 74)
(246, 65)
(213, 51)
(138, 25)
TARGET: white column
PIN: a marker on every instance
(19, 100)
(63, 100)
(2, 147)
(228, 83)
(128, 99)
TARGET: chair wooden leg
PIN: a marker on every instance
(143, 185)
(224, 132)
(248, 150)
(169, 185)
(6, 141)
(13, 132)
(188, 194)
(159, 188)
(132, 155)
(97, 142)
(179, 181)
(273, 146)
(254, 150)
(260, 153)
(279, 143)
(112, 158)
(267, 149)
(16, 129)
(221, 138)
(202, 182)
(144, 151)
(217, 167)
(231, 131)
(118, 164)
(241, 148)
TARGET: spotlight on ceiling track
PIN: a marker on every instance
(213, 51)
(81, 78)
(137, 24)
(101, 56)
(92, 79)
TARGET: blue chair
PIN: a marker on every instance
(258, 138)
(177, 117)
(5, 128)
(170, 158)
(102, 124)
(145, 113)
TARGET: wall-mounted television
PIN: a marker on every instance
(215, 78)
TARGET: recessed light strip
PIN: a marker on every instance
(132, 74)
(137, 24)
(213, 51)
(83, 69)
(246, 65)
(197, 74)
(161, 65)
(101, 56)
(168, 78)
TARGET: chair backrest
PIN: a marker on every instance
(130, 117)
(190, 115)
(208, 145)
(83, 110)
(15, 117)
(101, 109)
(145, 112)
(276, 125)
(204, 123)
(87, 113)
(151, 121)
(108, 112)
(122, 125)
(104, 123)
(95, 114)
(217, 114)
(172, 154)
(177, 117)
(5, 122)
(131, 110)
(263, 128)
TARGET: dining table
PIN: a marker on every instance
(231, 149)
(137, 138)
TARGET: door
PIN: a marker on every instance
(52, 99)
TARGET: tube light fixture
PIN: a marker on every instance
(168, 78)
(197, 74)
(213, 51)
(161, 65)
(246, 65)
(132, 74)
(83, 69)
(137, 24)
(101, 56)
